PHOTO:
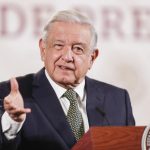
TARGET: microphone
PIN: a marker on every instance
(104, 115)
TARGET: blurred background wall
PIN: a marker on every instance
(123, 27)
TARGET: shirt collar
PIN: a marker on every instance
(60, 90)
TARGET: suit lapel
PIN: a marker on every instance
(95, 103)
(48, 102)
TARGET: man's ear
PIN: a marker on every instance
(94, 55)
(42, 47)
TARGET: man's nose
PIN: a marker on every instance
(67, 54)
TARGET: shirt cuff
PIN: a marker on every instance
(10, 127)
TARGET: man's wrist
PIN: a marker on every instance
(10, 127)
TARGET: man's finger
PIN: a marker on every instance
(18, 112)
(14, 85)
(7, 100)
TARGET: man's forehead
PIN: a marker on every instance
(70, 39)
(66, 33)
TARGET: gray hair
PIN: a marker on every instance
(73, 17)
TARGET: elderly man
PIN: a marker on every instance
(52, 109)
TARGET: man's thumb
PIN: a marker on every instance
(14, 85)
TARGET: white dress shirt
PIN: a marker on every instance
(10, 127)
(80, 90)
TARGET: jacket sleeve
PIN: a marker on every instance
(4, 143)
(1, 111)
(130, 118)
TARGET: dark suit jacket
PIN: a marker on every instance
(46, 127)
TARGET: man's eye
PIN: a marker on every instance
(78, 50)
(58, 46)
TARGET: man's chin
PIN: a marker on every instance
(67, 83)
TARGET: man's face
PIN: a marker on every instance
(66, 53)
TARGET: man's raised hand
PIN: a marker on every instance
(13, 103)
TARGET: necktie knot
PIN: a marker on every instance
(71, 95)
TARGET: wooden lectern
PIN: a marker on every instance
(111, 138)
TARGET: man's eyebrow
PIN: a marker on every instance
(55, 40)
(73, 43)
(79, 43)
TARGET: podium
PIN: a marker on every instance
(111, 138)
